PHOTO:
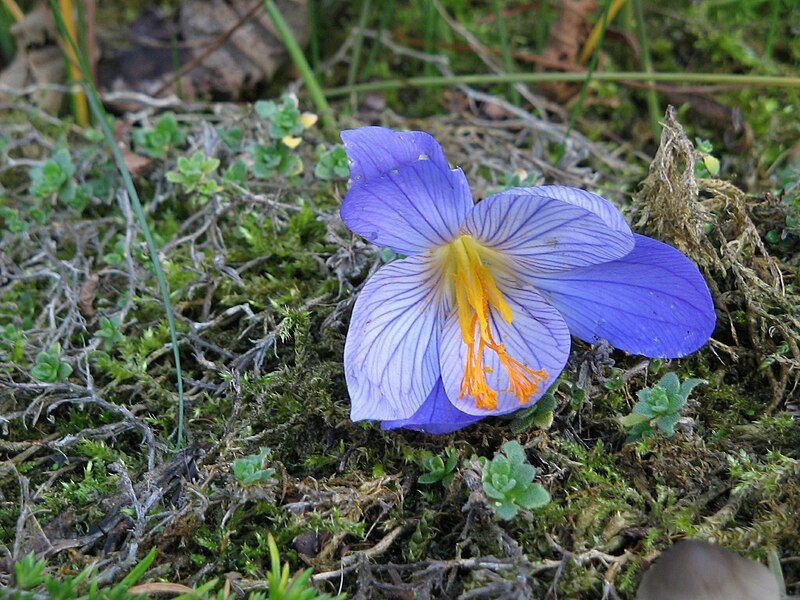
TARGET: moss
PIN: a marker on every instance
(263, 282)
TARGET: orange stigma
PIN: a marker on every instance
(468, 265)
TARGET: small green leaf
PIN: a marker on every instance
(670, 382)
(712, 164)
(505, 510)
(535, 496)
(633, 419)
(333, 164)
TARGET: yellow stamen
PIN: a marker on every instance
(469, 265)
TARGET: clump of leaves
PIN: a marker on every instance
(508, 482)
(281, 587)
(659, 407)
(235, 174)
(333, 164)
(54, 179)
(274, 159)
(519, 178)
(117, 254)
(49, 367)
(438, 469)
(540, 415)
(12, 222)
(231, 137)
(30, 574)
(12, 341)
(708, 166)
(196, 174)
(252, 470)
(157, 141)
(109, 333)
(286, 122)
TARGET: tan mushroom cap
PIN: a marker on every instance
(696, 570)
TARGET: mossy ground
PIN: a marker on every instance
(262, 283)
(263, 275)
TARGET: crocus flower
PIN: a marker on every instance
(476, 320)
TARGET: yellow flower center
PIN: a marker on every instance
(468, 267)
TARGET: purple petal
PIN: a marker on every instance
(410, 209)
(374, 151)
(437, 416)
(653, 302)
(392, 348)
(591, 202)
(537, 337)
(545, 234)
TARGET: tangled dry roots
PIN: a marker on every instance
(709, 220)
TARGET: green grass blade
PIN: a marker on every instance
(314, 10)
(176, 64)
(6, 39)
(430, 32)
(357, 45)
(385, 18)
(99, 113)
(505, 46)
(647, 65)
(751, 81)
(300, 62)
(769, 45)
(588, 79)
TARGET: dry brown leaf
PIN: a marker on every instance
(38, 60)
(567, 36)
(233, 42)
(146, 589)
(136, 163)
(87, 294)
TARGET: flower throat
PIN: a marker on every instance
(475, 292)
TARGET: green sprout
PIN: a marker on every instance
(12, 222)
(286, 122)
(29, 573)
(12, 341)
(54, 179)
(508, 482)
(540, 415)
(156, 141)
(284, 119)
(252, 470)
(109, 333)
(49, 367)
(274, 158)
(235, 174)
(117, 254)
(519, 178)
(195, 174)
(709, 164)
(333, 164)
(439, 469)
(232, 137)
(281, 587)
(659, 407)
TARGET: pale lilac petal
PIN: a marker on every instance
(410, 209)
(437, 416)
(392, 348)
(542, 234)
(374, 151)
(604, 209)
(653, 302)
(537, 337)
